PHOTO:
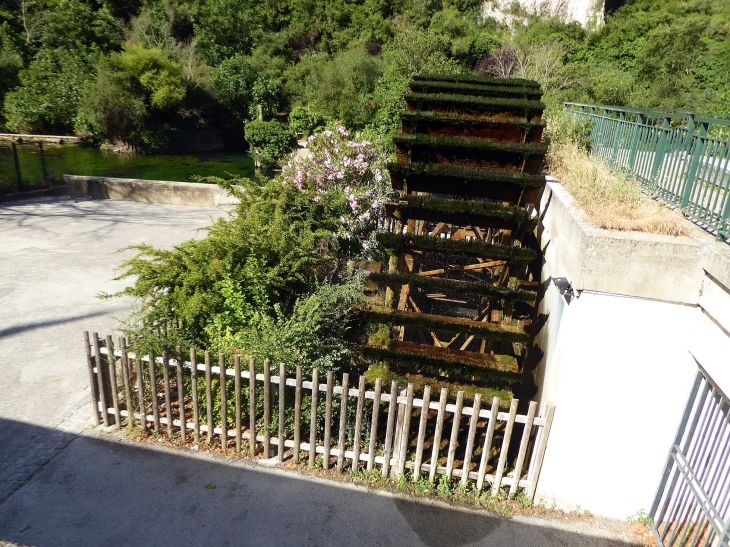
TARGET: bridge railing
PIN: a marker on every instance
(679, 156)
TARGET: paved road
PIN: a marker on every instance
(98, 492)
(56, 256)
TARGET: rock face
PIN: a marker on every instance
(586, 12)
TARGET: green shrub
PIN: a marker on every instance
(564, 128)
(269, 141)
(302, 120)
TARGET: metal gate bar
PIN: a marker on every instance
(692, 504)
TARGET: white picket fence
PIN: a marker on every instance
(413, 439)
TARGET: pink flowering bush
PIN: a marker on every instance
(347, 175)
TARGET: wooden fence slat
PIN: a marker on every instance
(153, 392)
(181, 394)
(267, 409)
(237, 395)
(405, 431)
(437, 434)
(374, 424)
(536, 465)
(505, 447)
(209, 395)
(140, 392)
(343, 421)
(455, 426)
(328, 420)
(470, 438)
(391, 422)
(297, 413)
(194, 392)
(358, 424)
(166, 385)
(423, 418)
(487, 447)
(127, 383)
(224, 401)
(112, 361)
(93, 387)
(252, 405)
(282, 401)
(100, 380)
(526, 432)
(313, 418)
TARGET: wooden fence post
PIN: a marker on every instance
(536, 466)
(194, 392)
(505, 447)
(282, 400)
(224, 401)
(209, 396)
(526, 432)
(237, 390)
(101, 380)
(421, 432)
(252, 404)
(437, 434)
(328, 420)
(470, 438)
(297, 413)
(343, 421)
(405, 431)
(181, 394)
(127, 383)
(111, 360)
(391, 422)
(313, 418)
(487, 447)
(374, 424)
(358, 424)
(168, 399)
(454, 434)
(153, 393)
(140, 392)
(93, 387)
(267, 409)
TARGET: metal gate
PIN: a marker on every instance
(692, 504)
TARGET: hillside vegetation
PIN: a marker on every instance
(146, 72)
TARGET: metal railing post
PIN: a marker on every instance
(635, 141)
(660, 150)
(698, 150)
(18, 176)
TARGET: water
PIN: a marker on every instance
(80, 160)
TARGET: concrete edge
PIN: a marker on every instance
(635, 264)
(148, 191)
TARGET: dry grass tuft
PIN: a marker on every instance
(611, 202)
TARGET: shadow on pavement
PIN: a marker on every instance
(107, 493)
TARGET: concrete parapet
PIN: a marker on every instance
(148, 191)
(626, 263)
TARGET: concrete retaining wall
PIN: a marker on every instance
(148, 191)
(620, 355)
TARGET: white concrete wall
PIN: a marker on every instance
(619, 367)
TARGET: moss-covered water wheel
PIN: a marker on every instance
(459, 299)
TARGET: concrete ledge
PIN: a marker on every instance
(148, 191)
(626, 263)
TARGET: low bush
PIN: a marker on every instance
(269, 141)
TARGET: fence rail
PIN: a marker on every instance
(389, 432)
(682, 158)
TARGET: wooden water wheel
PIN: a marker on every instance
(459, 298)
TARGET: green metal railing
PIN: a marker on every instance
(682, 158)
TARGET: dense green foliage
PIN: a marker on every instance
(140, 71)
(269, 141)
